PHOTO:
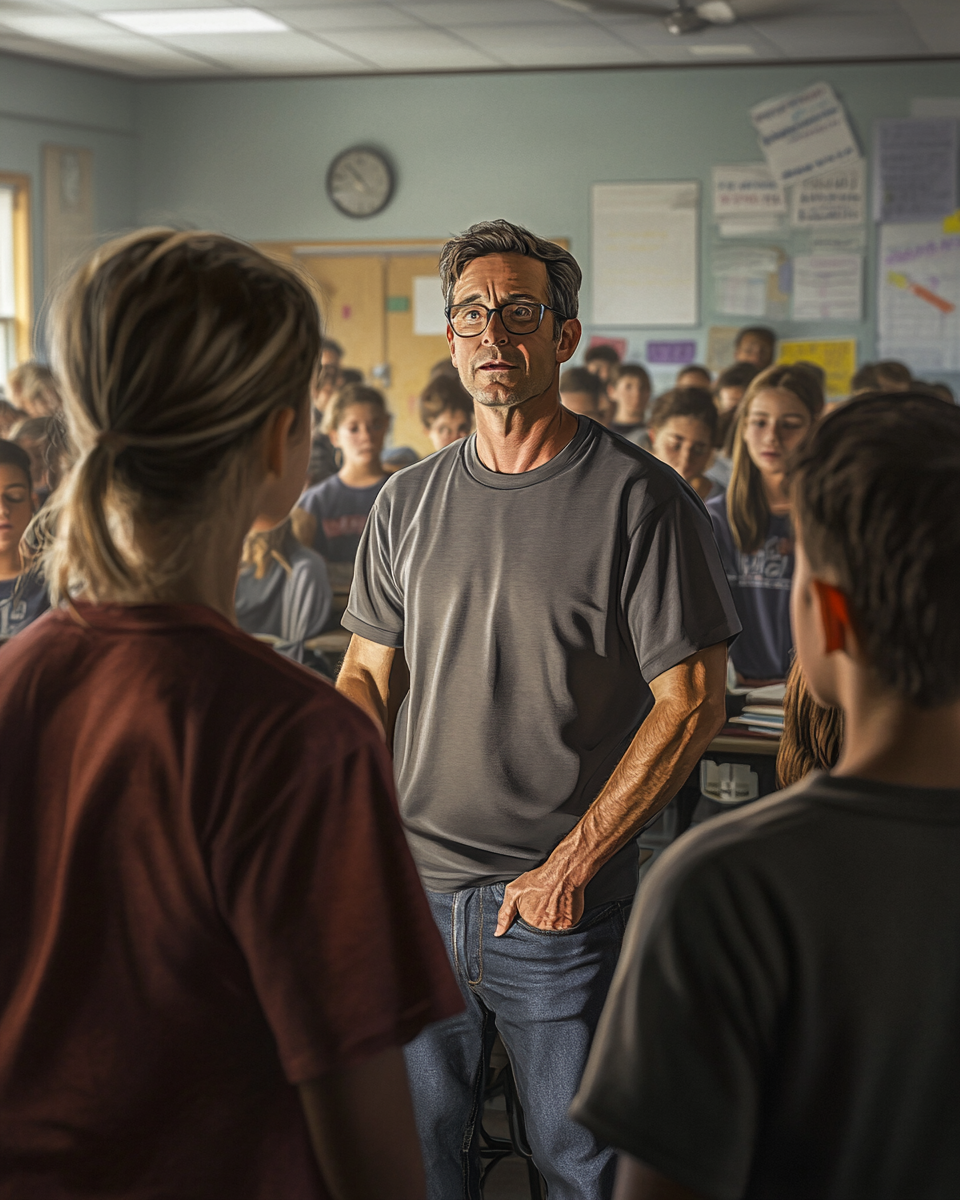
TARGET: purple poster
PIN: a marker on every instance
(671, 353)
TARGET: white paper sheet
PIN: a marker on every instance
(915, 166)
(741, 276)
(827, 201)
(429, 318)
(935, 106)
(804, 134)
(645, 268)
(918, 300)
(733, 227)
(827, 287)
(746, 191)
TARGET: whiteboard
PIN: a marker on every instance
(645, 254)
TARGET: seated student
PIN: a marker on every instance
(581, 391)
(10, 417)
(220, 942)
(23, 593)
(397, 458)
(331, 354)
(752, 521)
(601, 361)
(283, 590)
(943, 391)
(886, 376)
(694, 376)
(323, 457)
(357, 421)
(446, 411)
(728, 391)
(785, 1016)
(33, 388)
(755, 344)
(350, 376)
(629, 388)
(682, 427)
(812, 732)
(44, 441)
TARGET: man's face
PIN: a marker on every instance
(501, 369)
(753, 349)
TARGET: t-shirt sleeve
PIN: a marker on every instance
(676, 1071)
(312, 502)
(675, 594)
(312, 873)
(375, 610)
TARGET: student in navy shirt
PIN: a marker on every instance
(752, 522)
(357, 421)
(23, 594)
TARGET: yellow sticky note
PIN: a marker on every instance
(837, 356)
(951, 224)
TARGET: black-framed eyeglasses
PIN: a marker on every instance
(469, 320)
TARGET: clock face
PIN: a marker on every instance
(360, 182)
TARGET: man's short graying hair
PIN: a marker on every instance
(501, 237)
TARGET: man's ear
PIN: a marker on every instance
(834, 615)
(569, 339)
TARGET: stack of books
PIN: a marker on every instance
(762, 713)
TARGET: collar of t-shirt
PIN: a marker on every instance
(898, 802)
(558, 463)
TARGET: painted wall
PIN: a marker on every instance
(250, 157)
(67, 106)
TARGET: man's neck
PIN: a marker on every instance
(893, 741)
(511, 441)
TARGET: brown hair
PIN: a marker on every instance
(812, 734)
(173, 349)
(35, 387)
(444, 394)
(262, 549)
(876, 490)
(602, 353)
(685, 402)
(627, 369)
(356, 393)
(747, 508)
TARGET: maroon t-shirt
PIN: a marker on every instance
(205, 898)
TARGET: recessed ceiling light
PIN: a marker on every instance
(733, 50)
(195, 20)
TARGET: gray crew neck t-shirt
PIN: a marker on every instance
(784, 1023)
(533, 610)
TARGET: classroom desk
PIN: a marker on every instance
(725, 743)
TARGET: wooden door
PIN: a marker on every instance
(411, 355)
(353, 304)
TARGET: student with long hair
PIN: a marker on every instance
(23, 594)
(812, 732)
(214, 942)
(752, 522)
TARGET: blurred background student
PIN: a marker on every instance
(728, 391)
(601, 361)
(629, 388)
(10, 417)
(886, 376)
(682, 427)
(755, 344)
(694, 376)
(283, 589)
(45, 443)
(23, 593)
(357, 421)
(582, 392)
(812, 733)
(446, 411)
(33, 388)
(752, 521)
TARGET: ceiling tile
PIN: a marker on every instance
(408, 49)
(355, 16)
(453, 13)
(565, 45)
(254, 52)
(59, 27)
(840, 36)
(937, 23)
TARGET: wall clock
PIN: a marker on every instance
(360, 181)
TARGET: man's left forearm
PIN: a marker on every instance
(688, 711)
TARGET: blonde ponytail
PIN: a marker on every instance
(172, 350)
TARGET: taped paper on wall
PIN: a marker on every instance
(935, 106)
(918, 301)
(749, 281)
(837, 356)
(827, 287)
(915, 166)
(645, 261)
(746, 199)
(429, 319)
(721, 346)
(804, 134)
(827, 201)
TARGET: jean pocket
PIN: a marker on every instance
(591, 918)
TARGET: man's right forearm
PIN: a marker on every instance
(371, 678)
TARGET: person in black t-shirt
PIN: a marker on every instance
(785, 1019)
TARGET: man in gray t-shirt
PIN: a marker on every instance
(540, 621)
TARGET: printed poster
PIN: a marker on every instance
(803, 134)
(918, 296)
(837, 356)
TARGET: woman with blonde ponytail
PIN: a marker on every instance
(214, 942)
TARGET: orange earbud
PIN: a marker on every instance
(835, 611)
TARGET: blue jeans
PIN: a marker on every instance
(544, 990)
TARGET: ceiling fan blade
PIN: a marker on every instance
(717, 12)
